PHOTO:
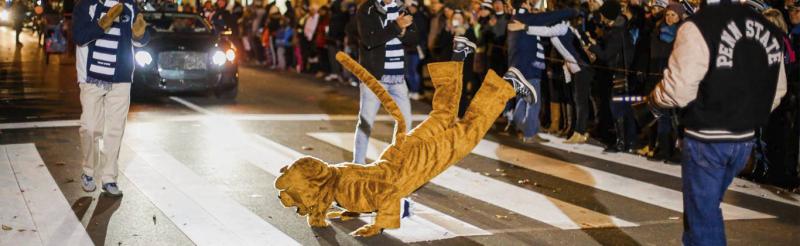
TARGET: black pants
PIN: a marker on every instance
(583, 89)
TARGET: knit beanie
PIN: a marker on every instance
(610, 9)
(661, 3)
(677, 8)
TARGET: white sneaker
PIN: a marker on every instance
(414, 96)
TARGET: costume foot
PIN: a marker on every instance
(342, 215)
(317, 221)
(366, 231)
(462, 47)
(523, 88)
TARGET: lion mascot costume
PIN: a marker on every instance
(414, 158)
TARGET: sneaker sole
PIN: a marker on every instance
(467, 42)
(89, 190)
(109, 194)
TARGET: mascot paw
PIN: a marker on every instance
(366, 231)
(343, 215)
(317, 222)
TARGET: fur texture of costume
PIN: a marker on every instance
(414, 158)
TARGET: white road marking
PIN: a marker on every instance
(13, 210)
(738, 184)
(285, 117)
(601, 180)
(202, 211)
(266, 117)
(430, 225)
(522, 201)
(40, 124)
(56, 223)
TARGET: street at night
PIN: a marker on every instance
(199, 168)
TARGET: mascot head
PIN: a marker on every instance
(302, 183)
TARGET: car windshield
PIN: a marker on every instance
(177, 23)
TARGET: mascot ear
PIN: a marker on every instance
(315, 169)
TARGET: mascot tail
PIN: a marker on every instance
(372, 83)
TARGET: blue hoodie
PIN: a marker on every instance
(525, 52)
(105, 57)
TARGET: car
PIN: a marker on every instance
(185, 55)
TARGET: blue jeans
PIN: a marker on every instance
(412, 72)
(526, 116)
(368, 109)
(708, 170)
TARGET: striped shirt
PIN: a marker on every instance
(393, 63)
(102, 59)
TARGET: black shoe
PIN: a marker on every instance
(521, 86)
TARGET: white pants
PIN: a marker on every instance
(103, 117)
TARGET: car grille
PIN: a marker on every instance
(182, 60)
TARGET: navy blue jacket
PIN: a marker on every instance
(105, 57)
(525, 51)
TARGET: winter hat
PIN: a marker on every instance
(610, 9)
(487, 4)
(412, 3)
(661, 3)
(677, 8)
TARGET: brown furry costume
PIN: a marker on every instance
(312, 185)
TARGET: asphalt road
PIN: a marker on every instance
(200, 170)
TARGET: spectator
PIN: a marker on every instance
(335, 38)
(415, 53)
(383, 32)
(615, 49)
(18, 10)
(661, 41)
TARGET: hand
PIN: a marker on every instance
(404, 20)
(108, 19)
(515, 26)
(493, 21)
(139, 27)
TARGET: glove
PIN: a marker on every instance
(139, 27)
(108, 19)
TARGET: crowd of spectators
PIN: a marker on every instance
(624, 47)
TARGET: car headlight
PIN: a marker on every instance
(4, 16)
(143, 58)
(218, 58)
(230, 54)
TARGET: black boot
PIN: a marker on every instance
(619, 145)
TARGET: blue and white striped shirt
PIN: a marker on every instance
(393, 63)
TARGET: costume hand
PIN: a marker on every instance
(404, 20)
(108, 19)
(515, 26)
(139, 26)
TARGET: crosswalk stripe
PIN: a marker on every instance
(522, 201)
(738, 184)
(428, 226)
(201, 210)
(601, 180)
(48, 209)
(13, 210)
